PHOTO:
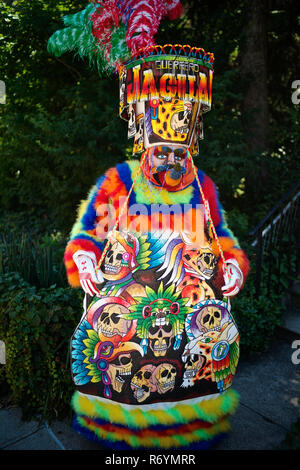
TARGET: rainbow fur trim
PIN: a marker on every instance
(170, 413)
(163, 425)
(174, 439)
(122, 445)
(116, 184)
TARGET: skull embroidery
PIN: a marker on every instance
(113, 266)
(160, 316)
(194, 361)
(165, 375)
(111, 324)
(206, 262)
(118, 370)
(114, 364)
(142, 383)
(201, 261)
(160, 339)
(209, 319)
(120, 259)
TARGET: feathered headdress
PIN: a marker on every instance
(164, 90)
(111, 32)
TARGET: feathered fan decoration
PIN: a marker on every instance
(110, 32)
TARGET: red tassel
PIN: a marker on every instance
(175, 10)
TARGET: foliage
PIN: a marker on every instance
(292, 438)
(257, 319)
(57, 128)
(60, 129)
(39, 260)
(36, 326)
(259, 316)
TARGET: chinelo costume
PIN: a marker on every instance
(156, 350)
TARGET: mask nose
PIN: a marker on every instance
(171, 158)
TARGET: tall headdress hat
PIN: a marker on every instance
(164, 90)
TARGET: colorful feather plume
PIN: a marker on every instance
(110, 32)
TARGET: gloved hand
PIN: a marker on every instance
(86, 263)
(233, 278)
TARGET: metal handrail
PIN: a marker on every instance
(274, 221)
(268, 233)
(274, 209)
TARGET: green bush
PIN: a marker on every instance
(36, 326)
(257, 319)
(38, 259)
(292, 438)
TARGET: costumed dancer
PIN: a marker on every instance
(156, 350)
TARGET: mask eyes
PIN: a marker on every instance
(162, 157)
(180, 153)
(162, 153)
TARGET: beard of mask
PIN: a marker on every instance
(172, 173)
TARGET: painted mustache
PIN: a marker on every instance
(175, 170)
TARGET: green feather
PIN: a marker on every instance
(78, 37)
(81, 18)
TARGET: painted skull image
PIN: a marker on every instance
(160, 339)
(180, 121)
(106, 316)
(160, 316)
(111, 364)
(120, 259)
(115, 262)
(111, 324)
(120, 369)
(164, 376)
(142, 383)
(209, 316)
(201, 260)
(193, 360)
(209, 319)
(206, 262)
(161, 331)
(170, 121)
(131, 122)
(139, 136)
